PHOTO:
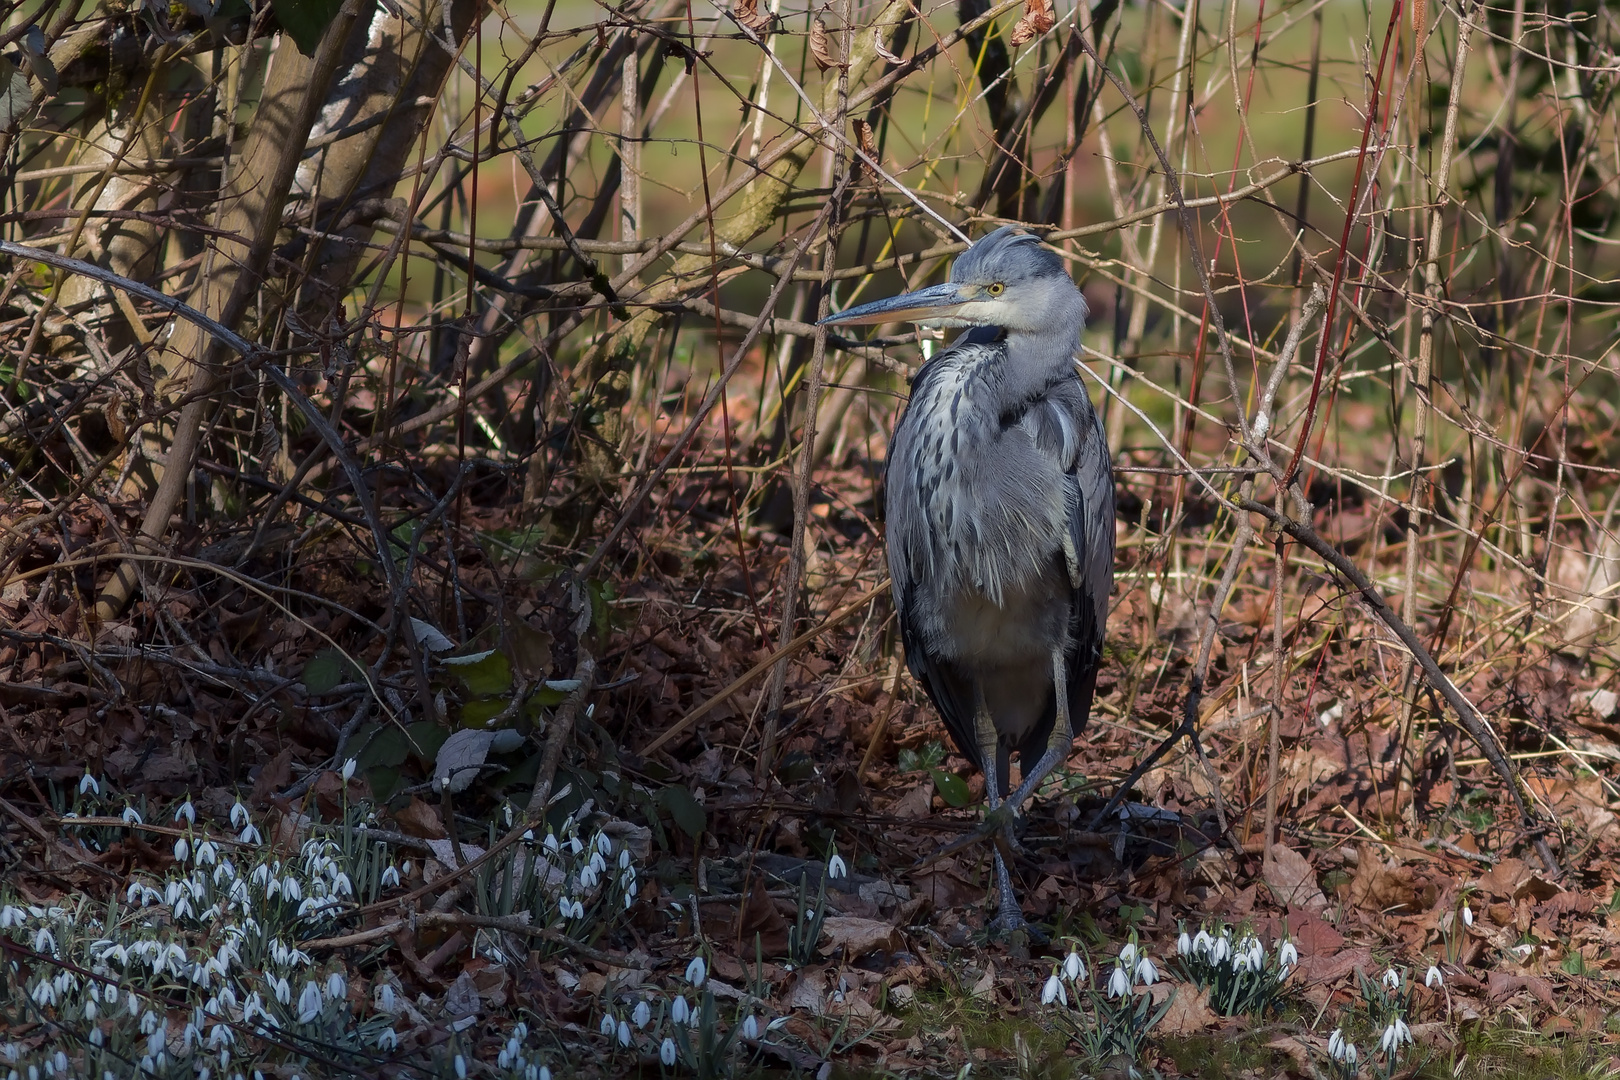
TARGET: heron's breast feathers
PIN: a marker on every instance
(980, 488)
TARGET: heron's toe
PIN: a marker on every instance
(1009, 922)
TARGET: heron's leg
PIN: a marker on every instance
(1061, 742)
(1009, 916)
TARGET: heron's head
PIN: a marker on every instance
(1007, 279)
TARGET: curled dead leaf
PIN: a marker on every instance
(748, 14)
(822, 49)
(863, 136)
(882, 49)
(1037, 20)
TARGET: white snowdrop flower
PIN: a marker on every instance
(341, 885)
(11, 915)
(1146, 973)
(109, 994)
(608, 1026)
(598, 863)
(574, 845)
(390, 878)
(187, 811)
(385, 998)
(679, 1010)
(1074, 968)
(550, 842)
(239, 814)
(750, 1027)
(132, 1005)
(1287, 955)
(624, 859)
(1220, 949)
(503, 1060)
(89, 784)
(696, 972)
(1336, 1044)
(604, 844)
(1202, 943)
(387, 1039)
(543, 1074)
(587, 879)
(207, 853)
(836, 868)
(348, 770)
(44, 994)
(1394, 1035)
(1053, 991)
(461, 1067)
(642, 1014)
(629, 900)
(44, 941)
(1127, 954)
(624, 1033)
(219, 1036)
(666, 1051)
(1468, 915)
(291, 889)
(149, 1022)
(1240, 963)
(131, 816)
(1184, 944)
(1119, 983)
(250, 835)
(309, 1003)
(1434, 978)
(182, 907)
(91, 1011)
(1392, 979)
(335, 986)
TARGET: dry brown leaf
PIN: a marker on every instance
(822, 49)
(1188, 1013)
(420, 819)
(858, 936)
(748, 14)
(1037, 20)
(1292, 881)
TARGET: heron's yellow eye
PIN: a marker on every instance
(996, 289)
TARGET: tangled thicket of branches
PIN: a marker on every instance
(340, 337)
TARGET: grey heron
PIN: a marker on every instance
(999, 498)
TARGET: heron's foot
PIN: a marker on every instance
(1010, 922)
(1003, 825)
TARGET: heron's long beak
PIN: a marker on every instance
(937, 305)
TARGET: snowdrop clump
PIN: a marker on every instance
(686, 1033)
(198, 970)
(1113, 1018)
(1242, 978)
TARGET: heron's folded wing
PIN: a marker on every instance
(948, 687)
